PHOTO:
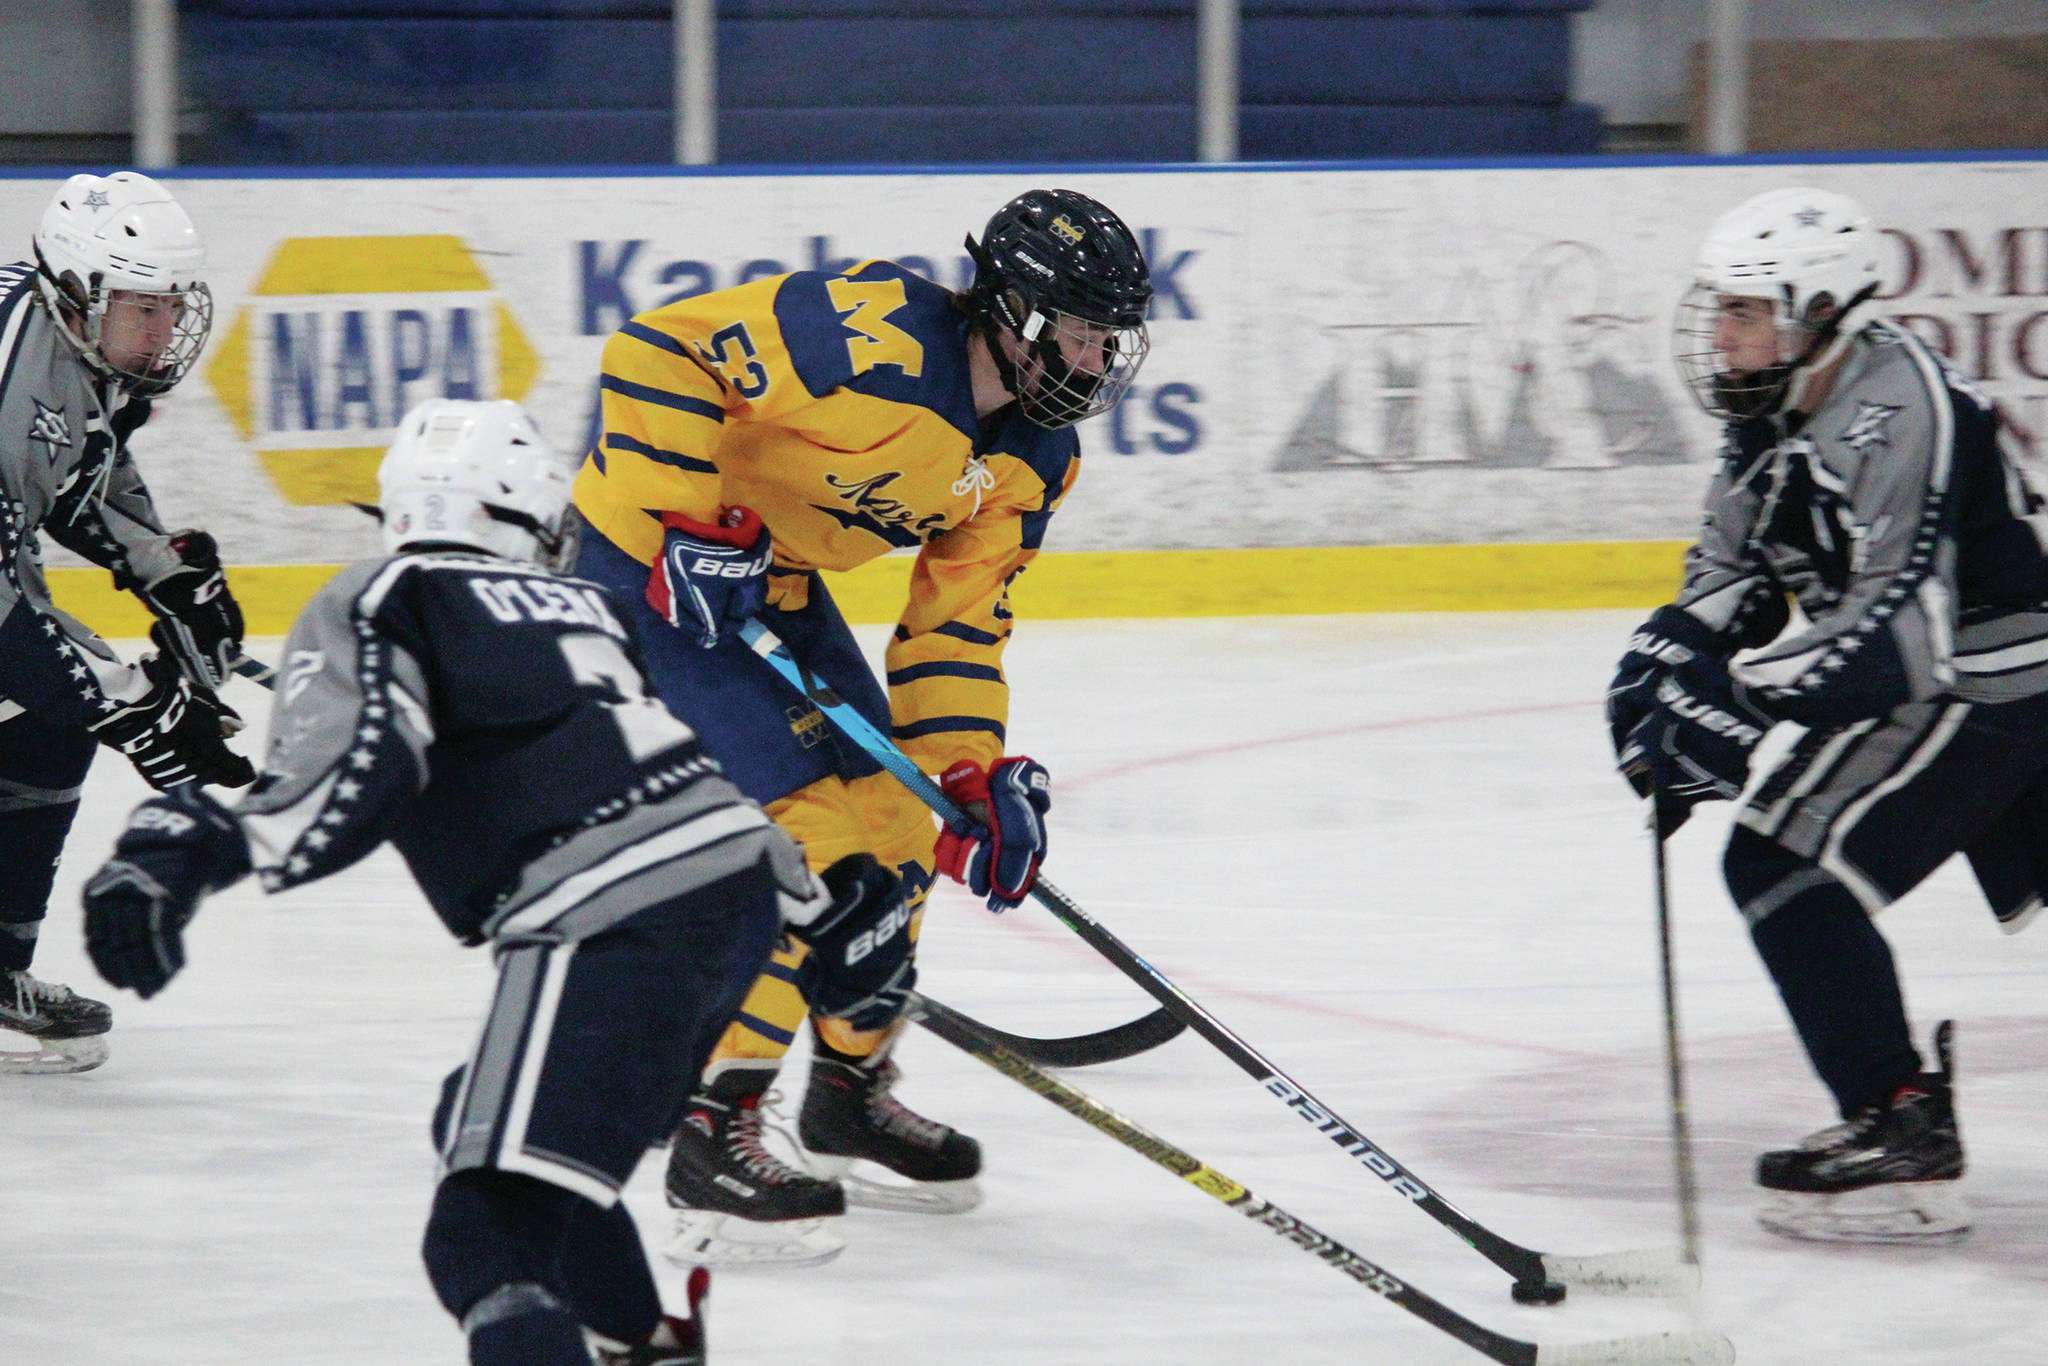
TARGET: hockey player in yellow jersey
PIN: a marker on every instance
(756, 439)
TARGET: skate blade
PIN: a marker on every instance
(703, 1238)
(909, 1197)
(56, 1056)
(1900, 1212)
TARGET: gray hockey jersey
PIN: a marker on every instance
(65, 472)
(1902, 529)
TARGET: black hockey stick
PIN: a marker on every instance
(1078, 1050)
(1669, 1349)
(1540, 1277)
(1086, 1050)
(1686, 1180)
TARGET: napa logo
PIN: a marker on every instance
(340, 335)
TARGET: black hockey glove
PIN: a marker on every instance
(711, 578)
(858, 969)
(176, 849)
(199, 624)
(1671, 637)
(1695, 745)
(173, 733)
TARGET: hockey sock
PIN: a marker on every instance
(1833, 970)
(605, 1268)
(523, 1325)
(33, 838)
(492, 1229)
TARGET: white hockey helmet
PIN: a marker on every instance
(123, 232)
(1813, 255)
(477, 473)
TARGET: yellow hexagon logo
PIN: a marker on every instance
(341, 335)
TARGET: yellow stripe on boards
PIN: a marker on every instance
(1123, 583)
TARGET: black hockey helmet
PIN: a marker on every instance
(1063, 275)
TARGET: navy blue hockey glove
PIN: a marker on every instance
(858, 969)
(711, 578)
(1671, 637)
(198, 621)
(998, 852)
(1694, 746)
(174, 732)
(176, 849)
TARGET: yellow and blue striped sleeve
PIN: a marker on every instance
(948, 698)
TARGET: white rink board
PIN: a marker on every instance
(1341, 356)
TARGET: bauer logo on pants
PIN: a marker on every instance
(340, 335)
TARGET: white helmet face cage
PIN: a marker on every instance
(1069, 368)
(118, 263)
(1811, 257)
(479, 474)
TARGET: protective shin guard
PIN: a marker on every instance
(605, 1267)
(490, 1231)
(523, 1325)
(1832, 968)
(33, 838)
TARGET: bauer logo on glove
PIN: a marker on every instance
(711, 576)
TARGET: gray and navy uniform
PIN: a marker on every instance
(65, 473)
(493, 722)
(1918, 661)
(1895, 520)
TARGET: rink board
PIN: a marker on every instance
(1463, 370)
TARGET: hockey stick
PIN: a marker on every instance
(1671, 1349)
(1540, 1277)
(1079, 1050)
(1674, 1059)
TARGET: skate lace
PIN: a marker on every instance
(745, 1143)
(893, 1117)
(31, 995)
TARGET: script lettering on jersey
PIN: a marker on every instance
(895, 522)
(517, 600)
(1369, 1157)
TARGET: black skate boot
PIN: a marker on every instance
(737, 1202)
(849, 1114)
(67, 1029)
(1890, 1173)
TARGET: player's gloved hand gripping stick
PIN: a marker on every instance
(1540, 1277)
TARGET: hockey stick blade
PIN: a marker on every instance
(1663, 1349)
(1089, 1050)
(1533, 1283)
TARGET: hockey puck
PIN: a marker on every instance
(1538, 1292)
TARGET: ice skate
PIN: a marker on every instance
(62, 1031)
(850, 1122)
(738, 1203)
(1891, 1173)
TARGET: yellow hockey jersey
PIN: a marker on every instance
(839, 408)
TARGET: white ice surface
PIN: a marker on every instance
(1387, 851)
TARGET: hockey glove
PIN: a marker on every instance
(1695, 746)
(199, 624)
(997, 852)
(711, 578)
(1671, 637)
(858, 969)
(173, 733)
(176, 849)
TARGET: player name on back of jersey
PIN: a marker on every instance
(520, 598)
